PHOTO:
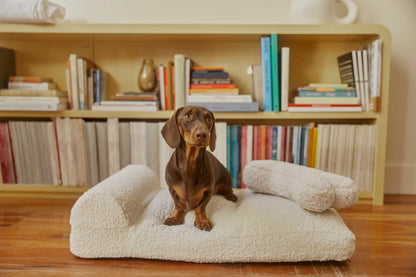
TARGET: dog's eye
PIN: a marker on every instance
(187, 116)
(209, 120)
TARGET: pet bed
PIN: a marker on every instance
(123, 217)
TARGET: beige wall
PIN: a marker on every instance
(399, 16)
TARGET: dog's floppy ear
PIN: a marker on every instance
(213, 136)
(170, 131)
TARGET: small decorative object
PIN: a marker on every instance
(147, 76)
(321, 11)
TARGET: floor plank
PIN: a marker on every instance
(34, 241)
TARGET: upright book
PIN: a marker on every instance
(267, 77)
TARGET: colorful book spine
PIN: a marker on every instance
(274, 55)
(267, 78)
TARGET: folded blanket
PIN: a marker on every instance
(312, 189)
(30, 11)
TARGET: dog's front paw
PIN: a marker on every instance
(203, 224)
(232, 197)
(173, 221)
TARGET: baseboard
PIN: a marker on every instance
(400, 179)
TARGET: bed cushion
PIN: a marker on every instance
(123, 217)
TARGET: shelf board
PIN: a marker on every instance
(164, 115)
(59, 192)
(41, 191)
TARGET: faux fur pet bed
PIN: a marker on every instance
(123, 217)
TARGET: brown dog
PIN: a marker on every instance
(192, 173)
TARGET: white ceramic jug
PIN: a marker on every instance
(321, 11)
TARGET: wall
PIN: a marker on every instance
(398, 16)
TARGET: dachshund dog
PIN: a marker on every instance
(193, 174)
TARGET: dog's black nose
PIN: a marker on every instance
(201, 135)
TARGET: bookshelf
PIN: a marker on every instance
(119, 49)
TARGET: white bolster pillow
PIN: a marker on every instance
(312, 189)
(117, 201)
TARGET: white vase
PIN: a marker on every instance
(321, 12)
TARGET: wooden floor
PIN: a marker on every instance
(34, 241)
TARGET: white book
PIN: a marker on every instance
(327, 100)
(74, 80)
(129, 103)
(375, 55)
(162, 91)
(138, 142)
(46, 99)
(53, 153)
(249, 143)
(32, 106)
(279, 143)
(256, 72)
(81, 83)
(187, 78)
(25, 85)
(113, 145)
(124, 108)
(354, 108)
(357, 76)
(125, 144)
(92, 153)
(79, 151)
(361, 78)
(221, 144)
(165, 152)
(365, 79)
(102, 143)
(179, 81)
(152, 147)
(285, 78)
(63, 130)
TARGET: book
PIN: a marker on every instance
(169, 86)
(220, 98)
(129, 103)
(113, 143)
(92, 153)
(73, 81)
(375, 55)
(129, 108)
(102, 148)
(45, 99)
(364, 97)
(162, 92)
(216, 90)
(33, 92)
(23, 105)
(7, 66)
(257, 83)
(212, 86)
(327, 100)
(235, 155)
(339, 93)
(29, 79)
(211, 81)
(274, 56)
(324, 108)
(125, 144)
(138, 142)
(221, 145)
(133, 96)
(267, 77)
(284, 84)
(209, 74)
(26, 85)
(228, 107)
(180, 81)
(366, 87)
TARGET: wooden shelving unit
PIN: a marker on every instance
(42, 50)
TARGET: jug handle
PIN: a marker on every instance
(352, 12)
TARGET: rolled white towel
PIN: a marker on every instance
(312, 189)
(30, 11)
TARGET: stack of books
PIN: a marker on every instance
(321, 97)
(130, 101)
(212, 88)
(362, 69)
(32, 93)
(87, 85)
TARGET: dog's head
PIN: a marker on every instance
(194, 125)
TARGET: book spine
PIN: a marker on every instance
(179, 81)
(209, 75)
(275, 72)
(267, 80)
(285, 78)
